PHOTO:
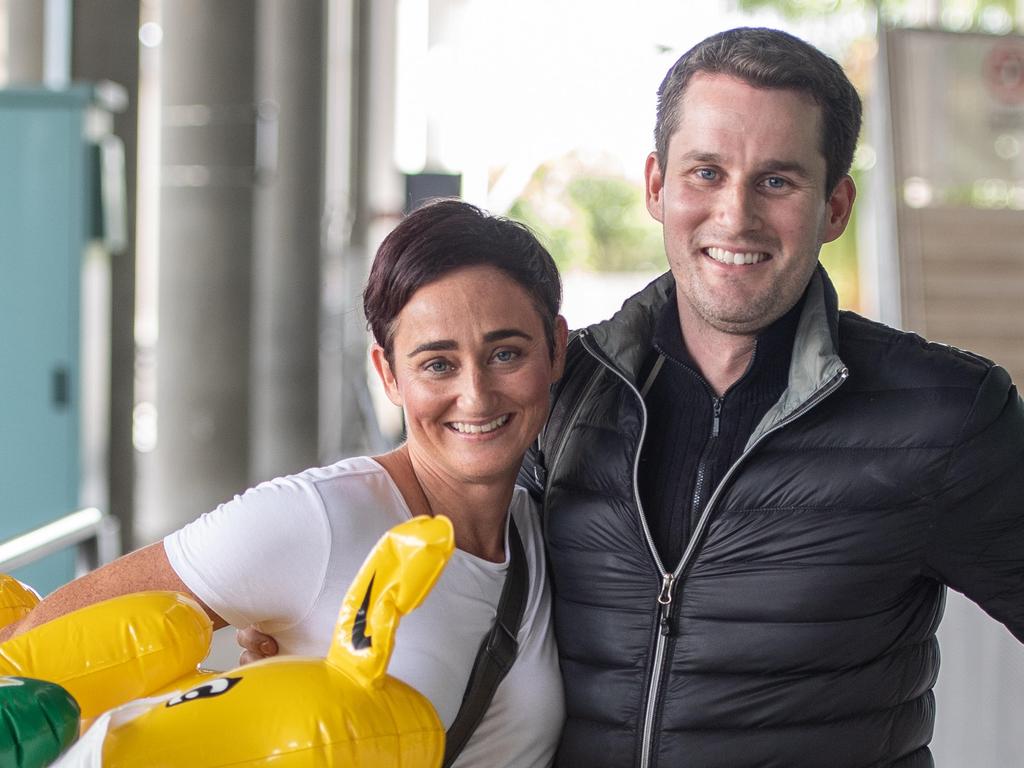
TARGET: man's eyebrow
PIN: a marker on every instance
(447, 345)
(786, 166)
(702, 157)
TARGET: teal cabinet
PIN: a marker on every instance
(48, 205)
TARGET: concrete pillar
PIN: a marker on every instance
(205, 277)
(57, 48)
(26, 43)
(105, 47)
(289, 204)
(364, 201)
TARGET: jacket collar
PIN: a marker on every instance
(816, 362)
(626, 340)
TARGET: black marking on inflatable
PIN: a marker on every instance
(360, 639)
(207, 690)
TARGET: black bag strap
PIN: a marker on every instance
(497, 652)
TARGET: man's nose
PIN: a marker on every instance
(738, 208)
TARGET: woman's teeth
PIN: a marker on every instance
(474, 429)
(729, 257)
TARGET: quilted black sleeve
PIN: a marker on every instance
(976, 544)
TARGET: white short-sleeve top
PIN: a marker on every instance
(282, 555)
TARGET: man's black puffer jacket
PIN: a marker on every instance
(799, 628)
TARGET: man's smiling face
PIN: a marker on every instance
(742, 203)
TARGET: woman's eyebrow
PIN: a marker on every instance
(506, 333)
(442, 345)
(447, 345)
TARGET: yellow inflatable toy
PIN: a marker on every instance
(16, 600)
(115, 651)
(295, 711)
(38, 719)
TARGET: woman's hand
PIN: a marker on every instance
(255, 645)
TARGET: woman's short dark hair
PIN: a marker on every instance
(769, 58)
(446, 235)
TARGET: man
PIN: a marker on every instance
(753, 501)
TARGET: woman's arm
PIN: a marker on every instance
(143, 570)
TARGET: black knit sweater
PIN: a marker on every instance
(695, 436)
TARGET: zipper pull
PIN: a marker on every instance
(665, 601)
(717, 421)
(540, 472)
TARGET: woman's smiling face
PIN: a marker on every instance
(471, 368)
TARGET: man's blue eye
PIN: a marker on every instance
(775, 182)
(707, 173)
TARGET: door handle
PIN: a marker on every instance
(61, 389)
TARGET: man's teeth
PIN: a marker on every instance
(474, 429)
(728, 257)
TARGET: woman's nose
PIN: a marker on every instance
(477, 391)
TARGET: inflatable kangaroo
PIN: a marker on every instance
(343, 710)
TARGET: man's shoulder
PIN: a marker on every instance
(906, 392)
(879, 354)
(936, 389)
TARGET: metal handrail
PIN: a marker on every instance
(94, 533)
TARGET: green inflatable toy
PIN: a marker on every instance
(38, 721)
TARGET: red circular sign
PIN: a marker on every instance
(1004, 71)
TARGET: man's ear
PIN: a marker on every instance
(387, 376)
(561, 340)
(838, 208)
(654, 184)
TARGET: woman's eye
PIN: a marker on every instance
(505, 355)
(438, 366)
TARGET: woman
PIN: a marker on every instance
(464, 311)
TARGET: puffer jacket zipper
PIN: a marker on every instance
(663, 605)
(599, 356)
(669, 581)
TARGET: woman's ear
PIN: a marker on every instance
(561, 340)
(387, 376)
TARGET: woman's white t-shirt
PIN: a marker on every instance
(282, 555)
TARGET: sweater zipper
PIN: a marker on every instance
(702, 466)
(716, 422)
(820, 394)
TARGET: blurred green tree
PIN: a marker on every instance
(985, 15)
(590, 219)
